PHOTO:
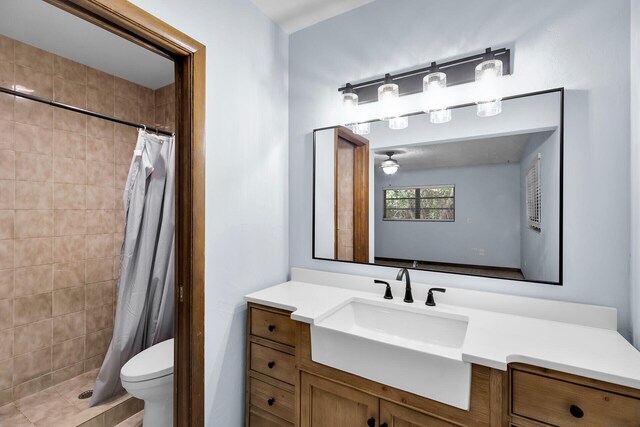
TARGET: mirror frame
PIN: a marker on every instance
(561, 196)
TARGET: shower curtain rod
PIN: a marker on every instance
(81, 110)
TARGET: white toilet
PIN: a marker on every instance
(149, 377)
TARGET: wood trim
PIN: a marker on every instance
(134, 24)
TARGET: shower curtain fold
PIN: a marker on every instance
(144, 309)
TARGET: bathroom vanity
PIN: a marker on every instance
(286, 386)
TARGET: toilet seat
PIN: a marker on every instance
(153, 363)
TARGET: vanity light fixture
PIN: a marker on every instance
(388, 94)
(399, 123)
(433, 87)
(350, 104)
(360, 128)
(390, 166)
(488, 97)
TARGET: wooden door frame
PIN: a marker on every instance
(360, 191)
(134, 24)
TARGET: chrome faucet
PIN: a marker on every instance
(407, 290)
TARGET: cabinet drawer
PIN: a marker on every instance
(563, 403)
(274, 363)
(273, 326)
(272, 399)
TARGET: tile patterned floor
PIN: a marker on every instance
(134, 421)
(59, 406)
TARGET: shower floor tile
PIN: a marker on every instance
(60, 406)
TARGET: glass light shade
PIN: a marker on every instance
(398, 123)
(360, 128)
(433, 87)
(388, 95)
(488, 94)
(350, 104)
(390, 166)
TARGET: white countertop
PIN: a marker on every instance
(493, 338)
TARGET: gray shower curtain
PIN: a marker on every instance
(144, 310)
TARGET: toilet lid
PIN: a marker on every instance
(154, 362)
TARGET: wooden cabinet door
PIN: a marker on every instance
(398, 416)
(328, 404)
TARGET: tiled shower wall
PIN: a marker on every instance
(61, 219)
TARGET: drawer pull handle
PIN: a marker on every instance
(272, 328)
(371, 422)
(271, 401)
(576, 411)
(271, 364)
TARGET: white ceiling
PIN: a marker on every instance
(39, 24)
(485, 151)
(294, 15)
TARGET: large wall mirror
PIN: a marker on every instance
(476, 195)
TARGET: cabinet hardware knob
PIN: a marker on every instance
(272, 328)
(271, 364)
(371, 422)
(271, 401)
(576, 411)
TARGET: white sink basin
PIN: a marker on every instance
(410, 347)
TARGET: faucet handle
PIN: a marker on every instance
(430, 300)
(387, 293)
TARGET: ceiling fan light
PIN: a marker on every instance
(390, 166)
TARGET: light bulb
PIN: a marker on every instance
(435, 103)
(390, 166)
(488, 96)
(350, 104)
(388, 95)
(398, 123)
(361, 128)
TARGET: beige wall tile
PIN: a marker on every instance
(126, 89)
(7, 220)
(148, 114)
(100, 79)
(126, 134)
(67, 353)
(7, 76)
(6, 374)
(67, 373)
(69, 70)
(32, 337)
(146, 96)
(101, 129)
(32, 309)
(68, 300)
(33, 82)
(124, 151)
(33, 139)
(35, 251)
(7, 164)
(31, 387)
(69, 222)
(69, 121)
(100, 174)
(99, 197)
(99, 245)
(93, 362)
(161, 114)
(6, 283)
(101, 150)
(6, 397)
(33, 195)
(118, 214)
(6, 344)
(70, 93)
(6, 49)
(33, 280)
(98, 295)
(70, 171)
(97, 342)
(69, 196)
(33, 167)
(127, 109)
(121, 174)
(69, 248)
(32, 57)
(69, 274)
(33, 223)
(100, 221)
(100, 101)
(6, 107)
(69, 144)
(123, 411)
(6, 313)
(6, 135)
(33, 113)
(68, 326)
(99, 318)
(165, 94)
(6, 254)
(99, 270)
(7, 194)
(31, 365)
